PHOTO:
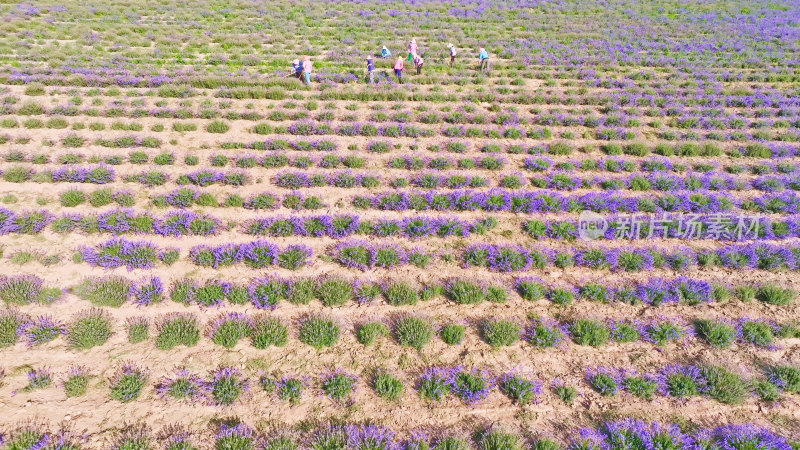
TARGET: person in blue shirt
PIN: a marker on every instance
(385, 53)
(297, 66)
(371, 70)
(484, 58)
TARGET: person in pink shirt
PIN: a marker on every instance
(398, 69)
(412, 49)
(418, 63)
(307, 67)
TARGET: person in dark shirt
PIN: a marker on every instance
(371, 70)
(297, 66)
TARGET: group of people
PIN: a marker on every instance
(302, 69)
(416, 58)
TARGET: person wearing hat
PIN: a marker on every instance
(483, 56)
(371, 70)
(412, 49)
(297, 65)
(418, 63)
(385, 53)
(452, 54)
(398, 69)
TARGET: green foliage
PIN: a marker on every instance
(452, 334)
(334, 292)
(90, 329)
(319, 332)
(413, 332)
(177, 329)
(589, 332)
(775, 295)
(724, 386)
(465, 292)
(268, 331)
(128, 384)
(111, 291)
(717, 333)
(401, 293)
(371, 331)
(501, 333)
(387, 386)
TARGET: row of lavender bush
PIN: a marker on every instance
(363, 255)
(227, 386)
(267, 292)
(702, 183)
(632, 433)
(278, 158)
(515, 201)
(720, 226)
(543, 201)
(93, 327)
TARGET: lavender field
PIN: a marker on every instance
(588, 241)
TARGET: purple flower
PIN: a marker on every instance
(546, 332)
(266, 292)
(226, 386)
(691, 291)
(43, 329)
(471, 386)
(498, 258)
(606, 380)
(371, 436)
(681, 381)
(588, 439)
(148, 291)
(38, 378)
(366, 291)
(664, 330)
(119, 252)
(655, 291)
(184, 385)
(652, 435)
(257, 254)
(116, 221)
(240, 430)
(182, 197)
(100, 174)
(732, 437)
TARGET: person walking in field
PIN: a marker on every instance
(307, 68)
(418, 63)
(371, 70)
(412, 49)
(385, 53)
(398, 69)
(483, 56)
(452, 53)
